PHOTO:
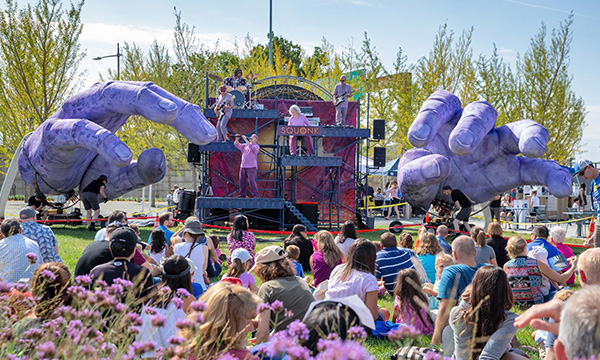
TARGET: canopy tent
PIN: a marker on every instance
(390, 169)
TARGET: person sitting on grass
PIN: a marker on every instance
(442, 260)
(293, 253)
(410, 302)
(194, 247)
(406, 241)
(427, 250)
(326, 258)
(298, 238)
(390, 260)
(159, 249)
(14, 248)
(485, 253)
(557, 238)
(240, 260)
(346, 237)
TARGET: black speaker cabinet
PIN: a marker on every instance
(193, 153)
(379, 156)
(379, 129)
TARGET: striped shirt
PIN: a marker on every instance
(390, 261)
(358, 283)
(14, 264)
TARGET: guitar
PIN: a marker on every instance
(220, 110)
(340, 99)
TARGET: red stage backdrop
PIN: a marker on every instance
(310, 181)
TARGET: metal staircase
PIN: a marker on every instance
(300, 216)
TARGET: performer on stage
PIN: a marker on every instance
(298, 119)
(249, 164)
(223, 109)
(341, 92)
(236, 82)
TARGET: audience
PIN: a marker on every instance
(346, 237)
(41, 234)
(195, 247)
(14, 264)
(442, 234)
(410, 302)
(498, 243)
(391, 260)
(298, 237)
(159, 248)
(96, 253)
(485, 253)
(240, 260)
(555, 259)
(115, 216)
(406, 241)
(557, 238)
(426, 252)
(279, 282)
(293, 253)
(326, 258)
(240, 237)
(165, 222)
(442, 260)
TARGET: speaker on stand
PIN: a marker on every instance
(379, 156)
(379, 129)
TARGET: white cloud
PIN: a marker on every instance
(505, 51)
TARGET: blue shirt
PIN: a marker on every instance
(428, 261)
(168, 234)
(298, 268)
(556, 260)
(444, 244)
(45, 238)
(388, 264)
(456, 278)
(595, 185)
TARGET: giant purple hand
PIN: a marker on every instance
(77, 144)
(462, 148)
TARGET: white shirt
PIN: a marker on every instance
(159, 256)
(100, 234)
(535, 201)
(160, 335)
(14, 264)
(197, 256)
(345, 246)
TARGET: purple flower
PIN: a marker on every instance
(298, 352)
(198, 305)
(262, 307)
(184, 324)
(432, 355)
(298, 330)
(133, 318)
(48, 275)
(120, 307)
(339, 349)
(276, 306)
(135, 330)
(177, 302)
(165, 290)
(125, 283)
(21, 287)
(151, 311)
(176, 340)
(357, 333)
(402, 332)
(158, 320)
(143, 347)
(33, 334)
(288, 313)
(33, 258)
(46, 350)
(6, 286)
(183, 293)
(83, 280)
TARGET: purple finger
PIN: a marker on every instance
(532, 137)
(441, 107)
(419, 179)
(104, 102)
(476, 121)
(149, 168)
(546, 172)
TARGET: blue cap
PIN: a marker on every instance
(580, 165)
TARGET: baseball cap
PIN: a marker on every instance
(126, 236)
(270, 254)
(354, 303)
(580, 165)
(242, 254)
(343, 77)
(102, 177)
(27, 213)
(193, 227)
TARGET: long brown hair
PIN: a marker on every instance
(236, 268)
(478, 235)
(361, 257)
(331, 252)
(487, 312)
(348, 231)
(429, 244)
(410, 294)
(50, 294)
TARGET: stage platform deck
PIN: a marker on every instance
(347, 132)
(226, 146)
(247, 113)
(239, 203)
(291, 160)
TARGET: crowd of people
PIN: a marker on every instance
(461, 294)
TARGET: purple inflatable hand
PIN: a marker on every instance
(461, 148)
(77, 144)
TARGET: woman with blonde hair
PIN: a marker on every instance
(326, 258)
(298, 119)
(228, 317)
(485, 253)
(428, 248)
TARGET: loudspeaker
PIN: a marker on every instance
(379, 129)
(379, 156)
(193, 155)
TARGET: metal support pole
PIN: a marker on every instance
(270, 34)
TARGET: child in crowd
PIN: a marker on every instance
(215, 240)
(158, 245)
(410, 304)
(326, 258)
(406, 241)
(240, 260)
(293, 253)
(228, 320)
(442, 261)
(377, 245)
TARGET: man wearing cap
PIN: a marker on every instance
(41, 234)
(587, 170)
(89, 197)
(223, 110)
(122, 246)
(195, 247)
(341, 92)
(249, 164)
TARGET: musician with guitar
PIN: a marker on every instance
(223, 109)
(341, 92)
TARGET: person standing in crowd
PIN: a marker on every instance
(534, 203)
(249, 164)
(394, 199)
(391, 260)
(240, 237)
(463, 203)
(89, 197)
(587, 170)
(298, 238)
(495, 207)
(298, 119)
(507, 203)
(41, 234)
(14, 248)
(341, 93)
(236, 82)
(223, 110)
(582, 197)
(38, 204)
(170, 202)
(498, 243)
(346, 237)
(165, 222)
(442, 234)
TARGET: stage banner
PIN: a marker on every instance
(285, 130)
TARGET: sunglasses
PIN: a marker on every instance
(581, 172)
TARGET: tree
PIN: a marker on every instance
(39, 60)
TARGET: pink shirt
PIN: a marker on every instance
(228, 98)
(300, 121)
(393, 192)
(410, 317)
(247, 280)
(341, 90)
(567, 252)
(359, 283)
(249, 154)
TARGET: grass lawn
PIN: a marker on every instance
(73, 240)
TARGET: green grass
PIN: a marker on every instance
(73, 240)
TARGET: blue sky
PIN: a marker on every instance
(412, 25)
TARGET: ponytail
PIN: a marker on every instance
(236, 269)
